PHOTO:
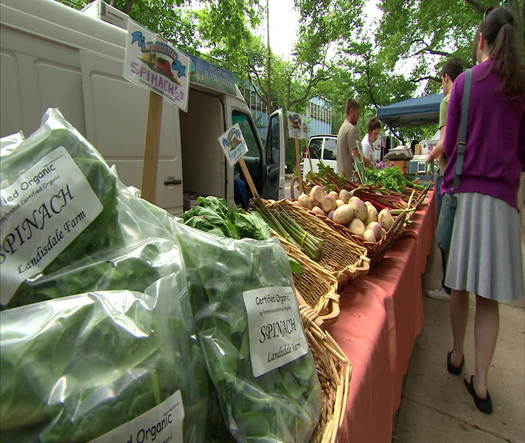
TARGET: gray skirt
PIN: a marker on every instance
(485, 255)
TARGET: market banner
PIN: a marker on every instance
(156, 64)
(233, 144)
(214, 77)
(298, 125)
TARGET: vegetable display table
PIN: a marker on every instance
(381, 316)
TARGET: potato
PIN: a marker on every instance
(328, 204)
(369, 235)
(344, 215)
(357, 226)
(306, 201)
(376, 228)
(317, 193)
(334, 194)
(359, 208)
(371, 213)
(344, 195)
(318, 210)
(386, 219)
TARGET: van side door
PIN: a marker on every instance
(274, 176)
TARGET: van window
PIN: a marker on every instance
(330, 149)
(248, 133)
(272, 156)
(315, 148)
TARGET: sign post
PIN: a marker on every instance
(151, 147)
(234, 147)
(154, 64)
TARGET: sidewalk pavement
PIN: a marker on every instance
(436, 406)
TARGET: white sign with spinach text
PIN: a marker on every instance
(275, 330)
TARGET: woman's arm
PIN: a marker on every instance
(439, 149)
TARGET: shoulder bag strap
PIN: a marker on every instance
(462, 141)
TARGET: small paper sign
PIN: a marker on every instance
(154, 63)
(298, 125)
(275, 330)
(233, 144)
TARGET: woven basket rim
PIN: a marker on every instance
(326, 309)
(328, 353)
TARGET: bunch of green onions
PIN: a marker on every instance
(286, 227)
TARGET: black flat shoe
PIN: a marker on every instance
(483, 404)
(454, 370)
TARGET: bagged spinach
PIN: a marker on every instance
(76, 368)
(58, 206)
(69, 227)
(249, 329)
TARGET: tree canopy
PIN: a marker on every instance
(340, 52)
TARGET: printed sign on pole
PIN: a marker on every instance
(233, 144)
(298, 125)
(154, 63)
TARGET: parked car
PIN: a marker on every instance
(320, 149)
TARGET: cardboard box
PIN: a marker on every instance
(402, 165)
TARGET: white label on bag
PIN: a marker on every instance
(40, 214)
(161, 424)
(275, 329)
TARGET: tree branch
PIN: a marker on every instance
(420, 79)
(127, 7)
(476, 5)
(428, 49)
(306, 94)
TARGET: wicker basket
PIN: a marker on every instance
(376, 251)
(317, 286)
(334, 371)
(341, 256)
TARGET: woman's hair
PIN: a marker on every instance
(498, 30)
(373, 124)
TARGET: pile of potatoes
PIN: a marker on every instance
(360, 217)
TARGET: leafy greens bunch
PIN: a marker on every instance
(281, 405)
(213, 215)
(391, 179)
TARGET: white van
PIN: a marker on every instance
(54, 56)
(320, 149)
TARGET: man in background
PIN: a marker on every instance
(347, 137)
(449, 72)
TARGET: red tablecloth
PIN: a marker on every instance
(381, 316)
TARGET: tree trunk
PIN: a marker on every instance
(518, 9)
(269, 97)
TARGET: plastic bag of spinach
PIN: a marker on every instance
(58, 207)
(118, 242)
(266, 393)
(76, 368)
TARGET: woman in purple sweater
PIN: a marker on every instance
(485, 252)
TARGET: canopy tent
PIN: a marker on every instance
(412, 112)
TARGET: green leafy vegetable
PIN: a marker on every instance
(281, 405)
(212, 214)
(85, 364)
(391, 179)
(74, 367)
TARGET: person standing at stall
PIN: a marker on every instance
(370, 145)
(485, 254)
(449, 72)
(347, 137)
